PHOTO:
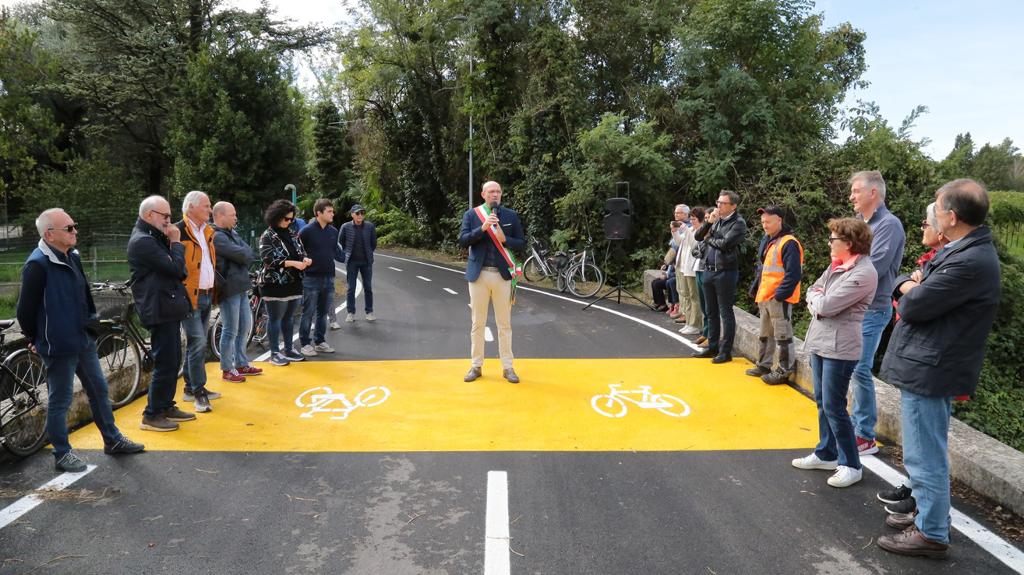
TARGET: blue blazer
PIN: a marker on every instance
(472, 237)
(347, 240)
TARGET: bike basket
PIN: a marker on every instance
(109, 303)
(558, 261)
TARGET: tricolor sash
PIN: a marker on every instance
(514, 269)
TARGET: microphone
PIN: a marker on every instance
(494, 210)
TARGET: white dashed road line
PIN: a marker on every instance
(392, 268)
(425, 279)
(451, 291)
(496, 540)
(12, 512)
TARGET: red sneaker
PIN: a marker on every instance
(232, 376)
(866, 446)
(250, 370)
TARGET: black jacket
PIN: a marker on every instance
(938, 346)
(233, 259)
(158, 268)
(723, 239)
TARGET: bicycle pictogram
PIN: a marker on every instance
(324, 400)
(613, 404)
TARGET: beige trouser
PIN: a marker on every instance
(689, 300)
(490, 287)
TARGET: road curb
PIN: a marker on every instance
(983, 463)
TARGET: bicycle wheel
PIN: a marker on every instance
(372, 396)
(23, 403)
(260, 317)
(608, 405)
(213, 339)
(121, 360)
(184, 350)
(585, 280)
(560, 281)
(675, 406)
(532, 270)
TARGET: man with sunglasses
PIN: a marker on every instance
(56, 313)
(156, 258)
(723, 231)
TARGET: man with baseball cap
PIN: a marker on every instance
(776, 287)
(358, 239)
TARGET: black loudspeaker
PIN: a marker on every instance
(618, 218)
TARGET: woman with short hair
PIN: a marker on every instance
(837, 302)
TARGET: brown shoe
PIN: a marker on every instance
(175, 414)
(911, 542)
(157, 423)
(510, 375)
(473, 374)
(701, 340)
(900, 520)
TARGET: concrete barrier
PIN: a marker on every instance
(983, 463)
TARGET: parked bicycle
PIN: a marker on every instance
(124, 350)
(23, 398)
(258, 327)
(575, 271)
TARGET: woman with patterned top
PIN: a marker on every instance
(280, 278)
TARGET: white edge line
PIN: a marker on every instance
(997, 546)
(12, 512)
(488, 334)
(451, 291)
(987, 540)
(496, 538)
(642, 322)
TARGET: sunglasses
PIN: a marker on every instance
(289, 218)
(168, 216)
(68, 228)
(358, 213)
(925, 224)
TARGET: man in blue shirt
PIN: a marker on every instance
(55, 312)
(867, 194)
(319, 238)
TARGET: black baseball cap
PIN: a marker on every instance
(773, 210)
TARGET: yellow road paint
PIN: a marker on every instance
(430, 408)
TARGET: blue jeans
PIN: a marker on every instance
(365, 269)
(835, 430)
(865, 413)
(317, 295)
(196, 324)
(703, 302)
(60, 378)
(279, 322)
(236, 321)
(719, 294)
(165, 346)
(925, 422)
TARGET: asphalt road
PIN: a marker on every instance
(254, 487)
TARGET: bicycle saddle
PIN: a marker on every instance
(6, 323)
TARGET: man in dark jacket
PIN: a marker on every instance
(936, 353)
(320, 240)
(775, 290)
(723, 231)
(55, 310)
(358, 240)
(233, 258)
(156, 258)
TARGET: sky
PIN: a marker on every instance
(957, 58)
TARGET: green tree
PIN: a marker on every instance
(332, 153)
(994, 165)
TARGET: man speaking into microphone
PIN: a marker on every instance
(491, 232)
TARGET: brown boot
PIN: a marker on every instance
(900, 520)
(911, 542)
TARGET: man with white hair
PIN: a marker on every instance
(157, 261)
(201, 265)
(55, 292)
(867, 194)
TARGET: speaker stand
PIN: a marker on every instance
(617, 290)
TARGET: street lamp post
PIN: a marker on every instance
(465, 20)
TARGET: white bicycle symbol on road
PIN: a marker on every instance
(613, 404)
(324, 400)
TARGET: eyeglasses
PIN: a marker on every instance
(68, 228)
(358, 213)
(835, 239)
(168, 216)
(925, 224)
(721, 203)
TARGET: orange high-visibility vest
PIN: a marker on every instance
(772, 271)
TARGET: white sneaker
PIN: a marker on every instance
(371, 317)
(335, 325)
(349, 318)
(308, 350)
(689, 330)
(813, 462)
(323, 348)
(845, 476)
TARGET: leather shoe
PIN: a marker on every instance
(473, 374)
(757, 371)
(721, 358)
(911, 542)
(900, 520)
(707, 352)
(510, 375)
